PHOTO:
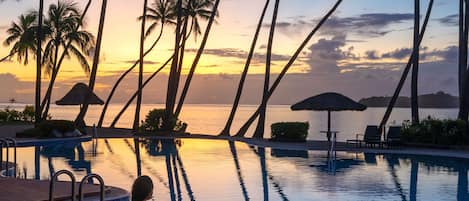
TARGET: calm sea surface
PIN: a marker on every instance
(210, 119)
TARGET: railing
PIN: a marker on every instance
(73, 184)
(5, 144)
(13, 141)
(54, 179)
(101, 186)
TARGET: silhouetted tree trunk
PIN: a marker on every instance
(140, 70)
(94, 69)
(242, 131)
(47, 97)
(132, 98)
(234, 108)
(37, 100)
(464, 110)
(6, 57)
(113, 90)
(172, 90)
(196, 60)
(259, 132)
(391, 104)
(415, 65)
(462, 67)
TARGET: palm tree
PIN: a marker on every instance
(22, 36)
(37, 98)
(213, 14)
(391, 104)
(234, 108)
(259, 132)
(415, 66)
(94, 69)
(140, 69)
(172, 85)
(162, 13)
(242, 131)
(62, 26)
(463, 50)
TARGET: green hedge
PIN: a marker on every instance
(154, 122)
(8, 115)
(436, 132)
(290, 131)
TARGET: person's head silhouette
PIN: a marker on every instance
(142, 189)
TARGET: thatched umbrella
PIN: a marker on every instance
(77, 96)
(328, 102)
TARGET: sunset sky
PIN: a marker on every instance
(360, 51)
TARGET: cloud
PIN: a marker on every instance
(369, 24)
(450, 20)
(241, 54)
(145, 62)
(399, 53)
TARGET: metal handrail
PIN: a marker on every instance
(101, 185)
(54, 179)
(13, 141)
(4, 142)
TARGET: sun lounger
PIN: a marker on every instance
(371, 137)
(393, 136)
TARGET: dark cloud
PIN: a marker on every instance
(372, 55)
(400, 53)
(241, 54)
(370, 24)
(450, 20)
(145, 62)
(324, 55)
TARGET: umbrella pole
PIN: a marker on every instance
(328, 125)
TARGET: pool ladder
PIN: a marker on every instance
(73, 184)
(8, 143)
(332, 155)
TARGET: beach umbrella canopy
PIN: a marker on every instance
(329, 102)
(77, 96)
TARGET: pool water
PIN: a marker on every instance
(190, 169)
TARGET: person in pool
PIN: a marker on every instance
(142, 189)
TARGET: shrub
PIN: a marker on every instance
(290, 131)
(28, 113)
(438, 132)
(45, 128)
(13, 115)
(154, 122)
(3, 116)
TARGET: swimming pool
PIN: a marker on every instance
(192, 169)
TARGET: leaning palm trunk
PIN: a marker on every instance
(415, 66)
(172, 90)
(37, 100)
(285, 69)
(259, 132)
(113, 90)
(94, 69)
(140, 70)
(121, 112)
(387, 114)
(7, 57)
(234, 108)
(44, 109)
(196, 59)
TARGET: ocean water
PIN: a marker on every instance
(210, 119)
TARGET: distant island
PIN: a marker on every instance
(437, 100)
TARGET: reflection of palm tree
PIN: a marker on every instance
(414, 170)
(462, 183)
(238, 169)
(21, 35)
(394, 176)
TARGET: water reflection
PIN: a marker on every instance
(190, 169)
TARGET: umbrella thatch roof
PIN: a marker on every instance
(77, 96)
(328, 102)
